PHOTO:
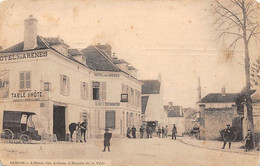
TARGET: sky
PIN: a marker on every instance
(173, 38)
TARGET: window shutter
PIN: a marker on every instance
(86, 95)
(103, 90)
(81, 90)
(61, 85)
(68, 86)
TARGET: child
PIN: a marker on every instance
(107, 137)
(78, 132)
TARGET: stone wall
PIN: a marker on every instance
(216, 120)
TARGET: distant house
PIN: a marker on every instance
(175, 116)
(216, 111)
(152, 104)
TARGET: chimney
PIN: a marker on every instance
(30, 33)
(159, 77)
(223, 91)
(170, 104)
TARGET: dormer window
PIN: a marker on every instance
(83, 60)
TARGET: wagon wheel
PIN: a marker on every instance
(16, 138)
(7, 136)
(25, 139)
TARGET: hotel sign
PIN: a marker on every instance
(107, 103)
(31, 94)
(29, 55)
(106, 75)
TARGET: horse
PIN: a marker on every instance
(72, 128)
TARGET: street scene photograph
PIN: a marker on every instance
(130, 83)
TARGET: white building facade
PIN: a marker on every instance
(63, 85)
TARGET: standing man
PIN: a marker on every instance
(159, 131)
(107, 137)
(166, 131)
(163, 132)
(174, 131)
(227, 135)
(150, 132)
(84, 129)
(147, 131)
(134, 131)
(141, 131)
(249, 140)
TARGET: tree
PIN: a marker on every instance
(238, 19)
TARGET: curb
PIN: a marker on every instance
(252, 154)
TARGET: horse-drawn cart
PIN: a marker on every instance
(18, 127)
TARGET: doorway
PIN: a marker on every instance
(59, 127)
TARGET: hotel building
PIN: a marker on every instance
(64, 85)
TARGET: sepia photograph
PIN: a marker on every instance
(130, 82)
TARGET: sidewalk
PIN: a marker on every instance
(217, 145)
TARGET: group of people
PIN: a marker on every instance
(80, 129)
(228, 136)
(129, 131)
(161, 132)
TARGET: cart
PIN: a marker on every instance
(18, 127)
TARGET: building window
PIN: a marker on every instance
(25, 80)
(84, 90)
(99, 90)
(110, 119)
(65, 85)
(47, 86)
(124, 98)
(124, 93)
(96, 86)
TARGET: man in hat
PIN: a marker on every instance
(174, 131)
(227, 135)
(133, 131)
(84, 129)
(249, 140)
(107, 137)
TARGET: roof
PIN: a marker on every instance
(173, 111)
(98, 61)
(150, 87)
(115, 60)
(54, 40)
(131, 68)
(74, 52)
(42, 43)
(19, 47)
(219, 98)
(144, 103)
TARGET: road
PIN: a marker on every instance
(127, 152)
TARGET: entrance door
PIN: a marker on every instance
(59, 122)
